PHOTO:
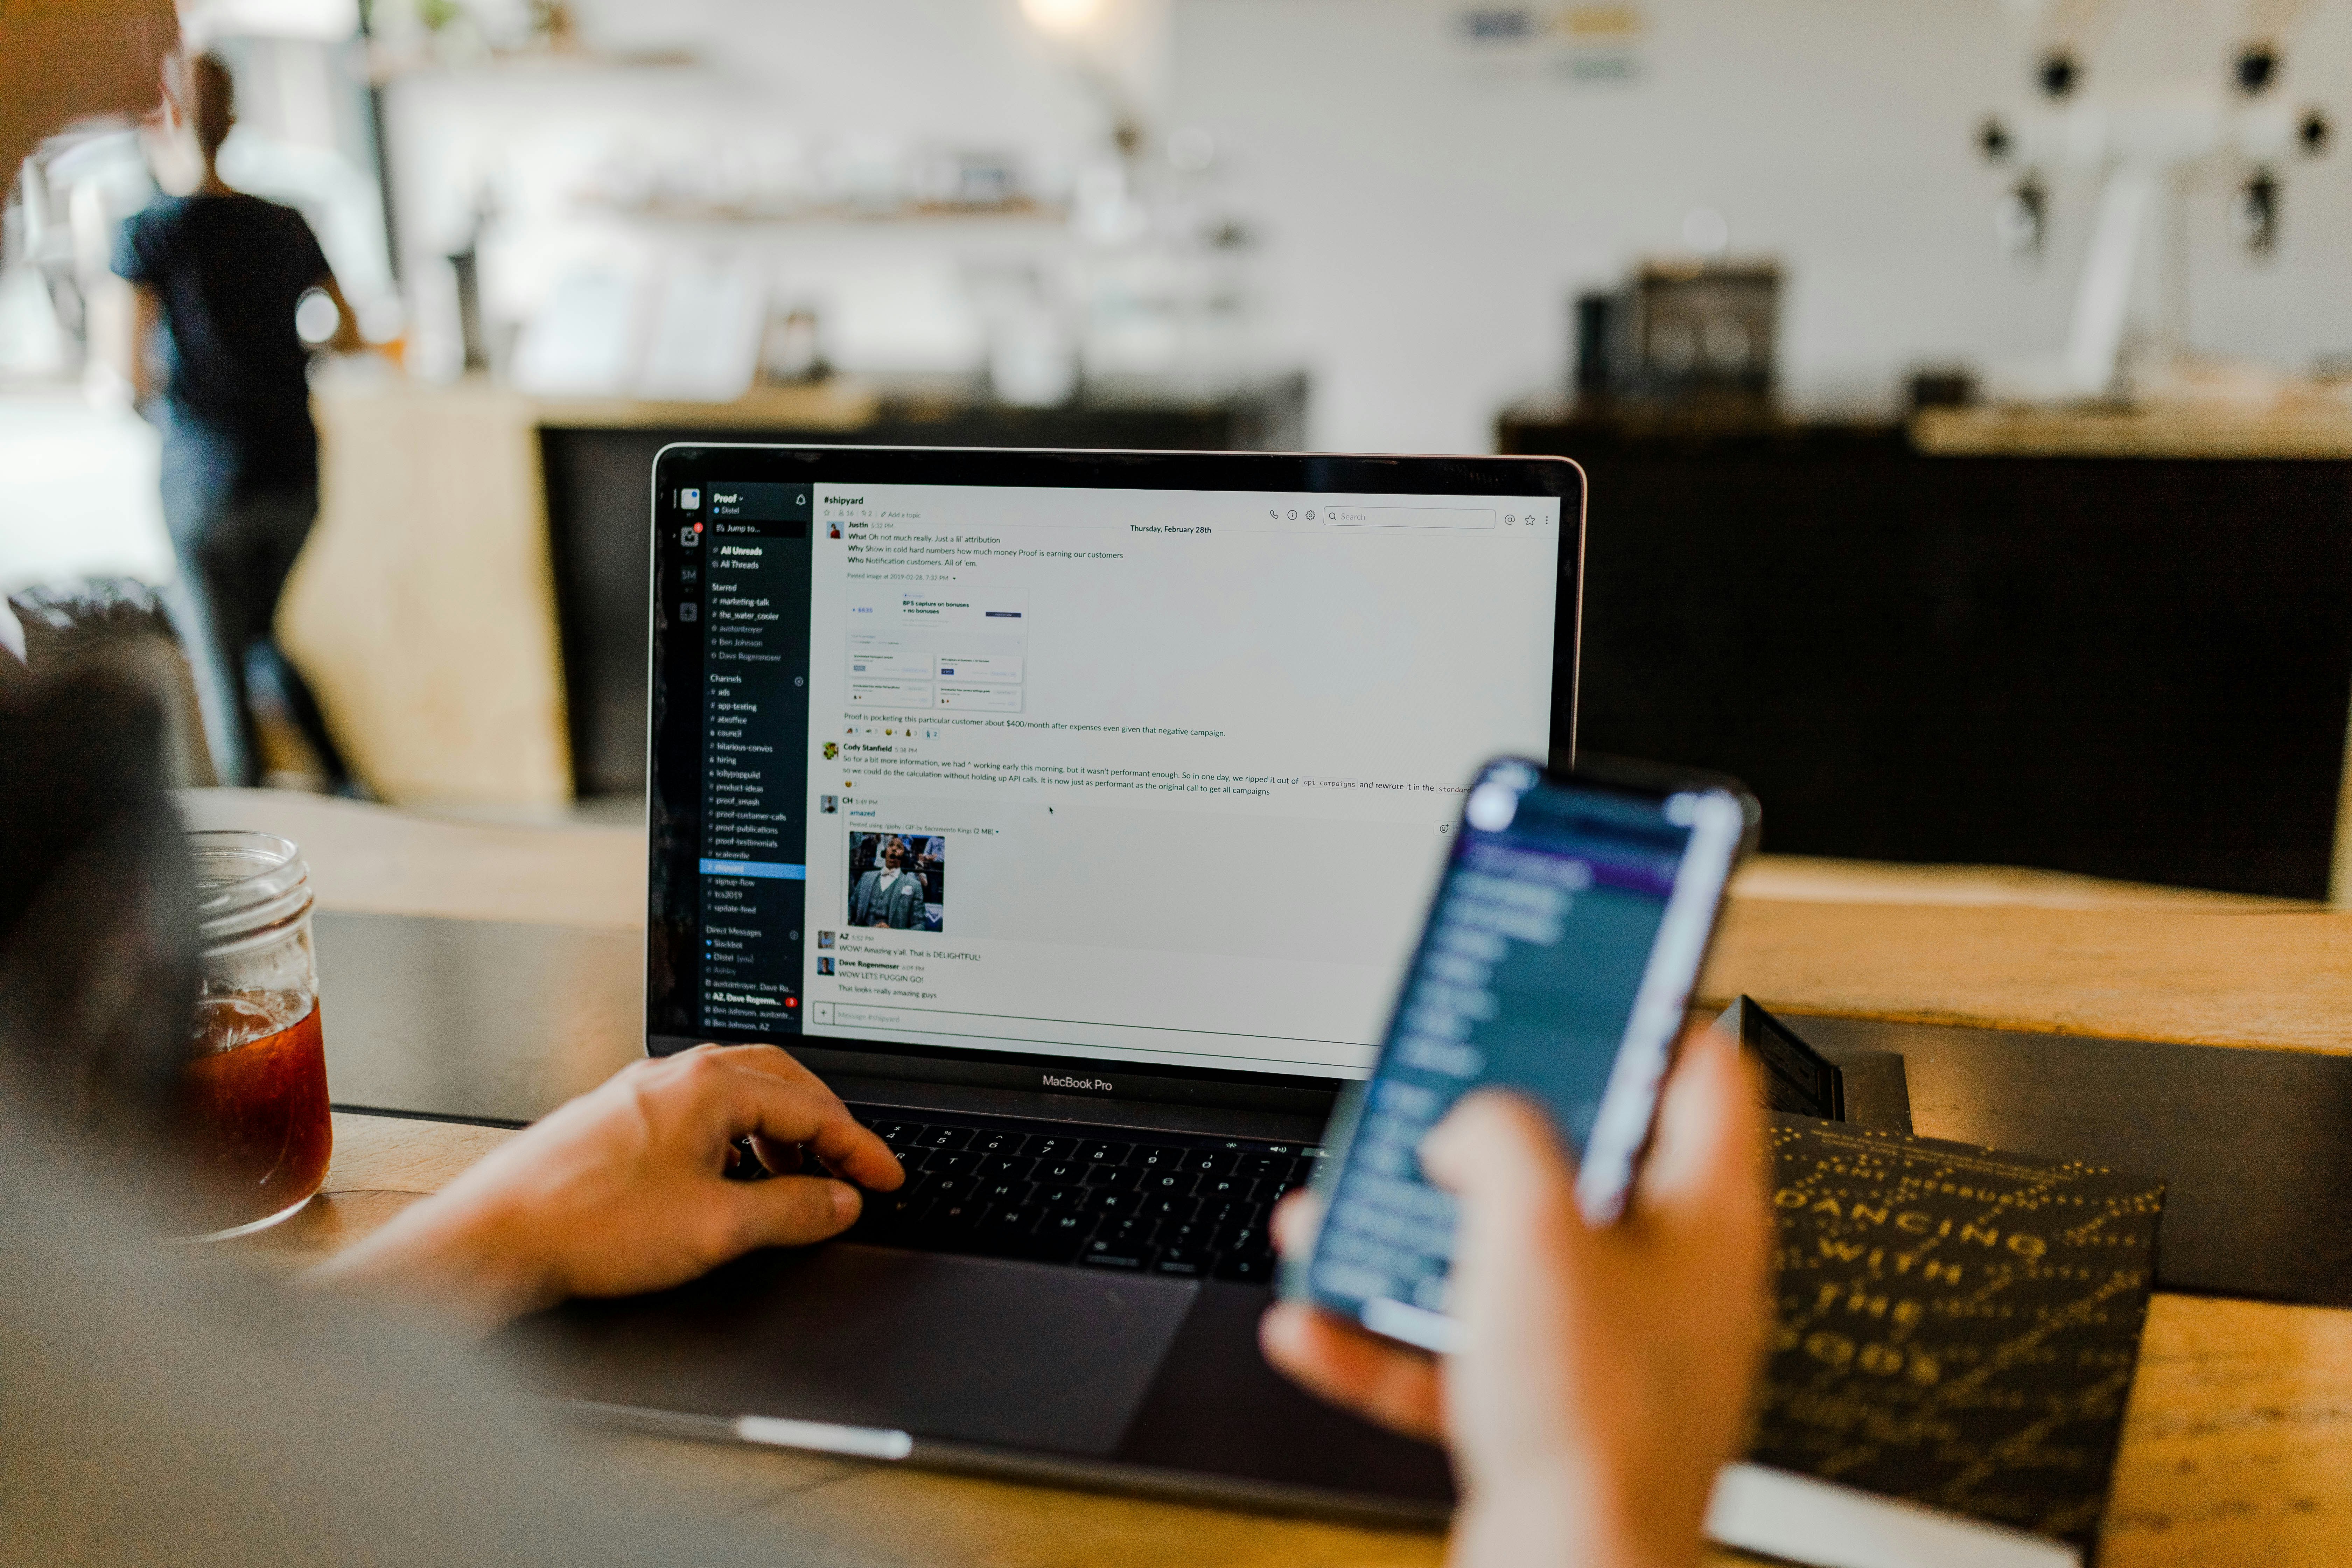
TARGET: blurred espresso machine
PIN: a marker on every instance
(1680, 339)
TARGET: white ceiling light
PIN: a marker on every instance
(1062, 18)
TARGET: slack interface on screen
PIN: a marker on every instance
(1131, 776)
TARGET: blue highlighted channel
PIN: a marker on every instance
(775, 870)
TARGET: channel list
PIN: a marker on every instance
(754, 726)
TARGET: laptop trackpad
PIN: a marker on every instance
(965, 1349)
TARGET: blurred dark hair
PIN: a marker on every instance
(97, 903)
(212, 105)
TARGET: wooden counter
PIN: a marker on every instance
(423, 608)
(2311, 426)
(2238, 1442)
(460, 659)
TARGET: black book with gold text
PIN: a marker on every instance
(1955, 1331)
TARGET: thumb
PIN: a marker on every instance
(1707, 1153)
(790, 1210)
(1500, 1156)
(1521, 1252)
(1495, 1148)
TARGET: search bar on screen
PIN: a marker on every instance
(1406, 517)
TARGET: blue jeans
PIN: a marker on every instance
(236, 543)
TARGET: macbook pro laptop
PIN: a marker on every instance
(1071, 813)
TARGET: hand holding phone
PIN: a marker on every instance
(1559, 956)
(1605, 1370)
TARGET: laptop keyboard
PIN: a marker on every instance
(1091, 1197)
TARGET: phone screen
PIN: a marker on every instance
(1557, 960)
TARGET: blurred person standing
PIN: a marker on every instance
(221, 274)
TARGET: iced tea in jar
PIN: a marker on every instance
(254, 1087)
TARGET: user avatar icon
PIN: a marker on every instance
(824, 965)
(829, 805)
(831, 751)
(825, 938)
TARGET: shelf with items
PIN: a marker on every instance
(757, 215)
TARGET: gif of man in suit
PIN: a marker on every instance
(890, 894)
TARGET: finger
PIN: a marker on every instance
(1500, 1155)
(790, 1211)
(1706, 1158)
(846, 1147)
(1295, 1220)
(779, 1064)
(1384, 1383)
(1519, 1233)
(741, 1099)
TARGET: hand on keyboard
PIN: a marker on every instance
(620, 1190)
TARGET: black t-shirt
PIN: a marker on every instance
(229, 270)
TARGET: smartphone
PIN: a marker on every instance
(1557, 960)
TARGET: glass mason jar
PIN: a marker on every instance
(254, 1087)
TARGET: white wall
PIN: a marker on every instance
(78, 495)
(1425, 207)
(1429, 207)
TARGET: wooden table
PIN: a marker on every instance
(2238, 1443)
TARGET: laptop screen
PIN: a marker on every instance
(1089, 773)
